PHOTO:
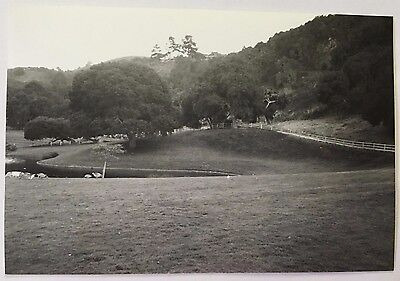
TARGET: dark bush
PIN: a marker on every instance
(44, 127)
(11, 147)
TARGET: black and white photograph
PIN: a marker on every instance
(152, 140)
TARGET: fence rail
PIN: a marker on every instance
(384, 147)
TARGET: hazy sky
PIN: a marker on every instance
(70, 36)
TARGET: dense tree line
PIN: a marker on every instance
(30, 100)
(336, 64)
(37, 91)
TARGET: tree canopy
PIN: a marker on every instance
(122, 97)
(332, 65)
(344, 62)
(187, 48)
(336, 64)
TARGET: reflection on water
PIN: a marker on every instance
(31, 166)
(10, 160)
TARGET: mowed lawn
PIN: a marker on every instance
(17, 137)
(238, 151)
(32, 151)
(268, 223)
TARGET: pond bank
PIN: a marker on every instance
(36, 163)
(80, 171)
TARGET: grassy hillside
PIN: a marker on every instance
(308, 222)
(351, 128)
(240, 151)
(17, 137)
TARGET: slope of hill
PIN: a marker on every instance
(350, 128)
(336, 64)
(237, 151)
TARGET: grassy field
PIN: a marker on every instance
(44, 152)
(270, 223)
(27, 152)
(17, 137)
(240, 151)
(297, 213)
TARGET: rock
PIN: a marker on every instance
(96, 175)
(41, 175)
(13, 174)
(26, 176)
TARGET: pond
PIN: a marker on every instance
(10, 160)
(55, 171)
(30, 166)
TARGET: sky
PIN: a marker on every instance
(69, 36)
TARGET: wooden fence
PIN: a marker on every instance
(343, 142)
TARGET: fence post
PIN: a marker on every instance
(104, 170)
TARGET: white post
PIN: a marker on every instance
(104, 170)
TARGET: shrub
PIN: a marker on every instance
(44, 127)
(11, 147)
(109, 150)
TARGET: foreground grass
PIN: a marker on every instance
(305, 222)
(240, 151)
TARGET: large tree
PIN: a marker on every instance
(122, 97)
(228, 87)
(188, 48)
